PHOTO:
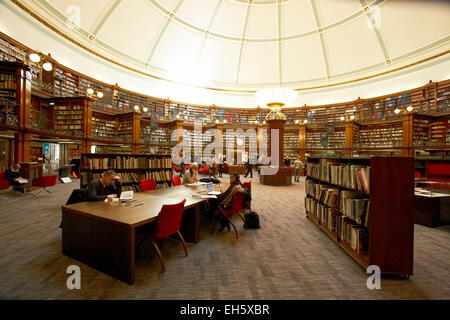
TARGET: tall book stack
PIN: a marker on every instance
(130, 167)
(370, 218)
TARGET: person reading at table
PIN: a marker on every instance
(109, 184)
(15, 179)
(191, 176)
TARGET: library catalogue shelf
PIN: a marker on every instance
(366, 206)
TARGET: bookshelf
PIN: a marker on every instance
(125, 125)
(68, 119)
(104, 126)
(8, 99)
(130, 167)
(370, 219)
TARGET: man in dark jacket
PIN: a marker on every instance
(109, 184)
(13, 176)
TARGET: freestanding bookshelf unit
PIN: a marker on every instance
(130, 167)
(373, 223)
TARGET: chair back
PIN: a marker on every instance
(4, 184)
(47, 181)
(238, 203)
(169, 219)
(148, 184)
(248, 185)
(176, 181)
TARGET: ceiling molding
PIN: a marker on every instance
(241, 49)
(169, 20)
(280, 45)
(376, 29)
(105, 17)
(322, 39)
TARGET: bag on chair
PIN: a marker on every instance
(252, 220)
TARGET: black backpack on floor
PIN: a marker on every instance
(252, 220)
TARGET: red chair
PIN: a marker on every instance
(168, 224)
(4, 184)
(187, 167)
(44, 182)
(177, 169)
(176, 181)
(204, 170)
(238, 205)
(248, 186)
(148, 184)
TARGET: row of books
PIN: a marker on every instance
(126, 163)
(133, 177)
(355, 207)
(324, 194)
(350, 176)
(356, 236)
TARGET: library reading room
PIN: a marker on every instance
(224, 150)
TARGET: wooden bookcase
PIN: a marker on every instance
(130, 167)
(390, 222)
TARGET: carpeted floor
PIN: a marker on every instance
(288, 258)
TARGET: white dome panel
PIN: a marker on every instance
(263, 22)
(168, 4)
(259, 64)
(406, 28)
(298, 18)
(138, 34)
(352, 46)
(230, 19)
(331, 11)
(302, 59)
(197, 12)
(90, 11)
(178, 50)
(219, 50)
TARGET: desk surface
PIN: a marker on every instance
(136, 216)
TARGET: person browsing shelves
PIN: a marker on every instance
(191, 176)
(109, 184)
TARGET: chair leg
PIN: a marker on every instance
(232, 224)
(46, 190)
(158, 252)
(183, 242)
(36, 194)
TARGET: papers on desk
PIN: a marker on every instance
(429, 194)
(22, 180)
(126, 195)
(195, 184)
(206, 196)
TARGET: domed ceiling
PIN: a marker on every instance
(242, 45)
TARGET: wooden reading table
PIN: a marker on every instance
(102, 235)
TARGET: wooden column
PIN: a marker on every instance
(24, 97)
(136, 146)
(407, 124)
(22, 147)
(302, 143)
(349, 128)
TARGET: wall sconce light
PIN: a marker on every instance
(90, 91)
(145, 109)
(136, 108)
(352, 117)
(35, 57)
(397, 111)
(342, 118)
(297, 121)
(47, 66)
(409, 108)
(305, 121)
(100, 94)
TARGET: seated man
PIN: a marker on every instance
(15, 179)
(109, 184)
(191, 176)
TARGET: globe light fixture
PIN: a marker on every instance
(409, 108)
(47, 66)
(35, 57)
(136, 108)
(100, 94)
(90, 91)
(275, 99)
(145, 109)
(397, 111)
(352, 117)
(342, 118)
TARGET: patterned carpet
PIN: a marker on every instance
(288, 258)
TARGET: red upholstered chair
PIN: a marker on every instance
(177, 169)
(44, 182)
(187, 167)
(236, 209)
(148, 184)
(168, 224)
(176, 181)
(4, 184)
(248, 186)
(204, 170)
